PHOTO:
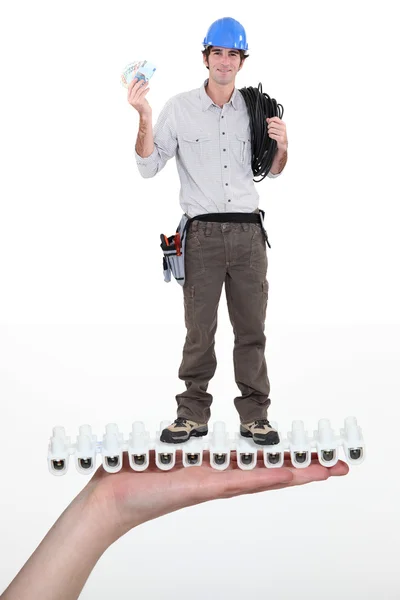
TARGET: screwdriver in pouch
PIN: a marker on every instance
(177, 240)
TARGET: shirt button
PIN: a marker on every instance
(226, 184)
(223, 133)
(228, 200)
(225, 166)
(224, 149)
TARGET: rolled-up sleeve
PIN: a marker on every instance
(165, 143)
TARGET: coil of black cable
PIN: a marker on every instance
(260, 107)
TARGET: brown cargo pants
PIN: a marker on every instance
(234, 254)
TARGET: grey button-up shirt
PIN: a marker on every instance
(212, 146)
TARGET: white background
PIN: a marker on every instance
(90, 333)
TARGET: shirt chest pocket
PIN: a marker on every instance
(241, 148)
(196, 145)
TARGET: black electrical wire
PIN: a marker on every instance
(260, 107)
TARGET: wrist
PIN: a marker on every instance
(145, 117)
(98, 523)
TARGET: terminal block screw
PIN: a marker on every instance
(165, 458)
(193, 459)
(219, 459)
(273, 458)
(300, 457)
(328, 455)
(58, 465)
(355, 453)
(246, 458)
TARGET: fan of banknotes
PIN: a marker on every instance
(142, 69)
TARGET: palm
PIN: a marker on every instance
(139, 497)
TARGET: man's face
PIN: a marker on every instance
(223, 64)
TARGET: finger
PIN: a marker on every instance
(139, 88)
(143, 91)
(311, 474)
(133, 83)
(274, 119)
(277, 127)
(317, 472)
(141, 83)
(340, 469)
(137, 97)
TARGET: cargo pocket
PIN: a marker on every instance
(188, 301)
(265, 288)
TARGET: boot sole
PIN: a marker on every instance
(259, 441)
(169, 439)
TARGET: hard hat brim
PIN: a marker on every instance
(246, 52)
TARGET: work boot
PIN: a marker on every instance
(181, 430)
(261, 432)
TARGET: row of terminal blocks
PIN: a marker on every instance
(217, 442)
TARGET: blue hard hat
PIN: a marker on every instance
(226, 33)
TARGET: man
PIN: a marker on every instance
(208, 132)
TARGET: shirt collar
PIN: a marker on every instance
(206, 101)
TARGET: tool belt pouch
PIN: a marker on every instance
(173, 248)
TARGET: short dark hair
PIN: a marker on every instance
(207, 50)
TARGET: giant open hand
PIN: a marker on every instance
(130, 498)
(112, 504)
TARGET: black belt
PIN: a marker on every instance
(234, 217)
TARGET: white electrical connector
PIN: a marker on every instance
(274, 456)
(85, 455)
(327, 443)
(219, 447)
(298, 444)
(353, 442)
(59, 451)
(138, 447)
(112, 449)
(165, 453)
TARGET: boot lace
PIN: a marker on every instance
(261, 422)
